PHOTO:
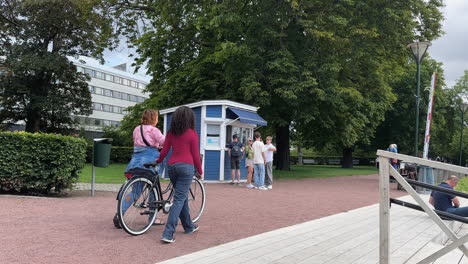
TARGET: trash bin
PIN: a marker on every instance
(101, 152)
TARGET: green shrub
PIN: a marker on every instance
(37, 163)
(118, 154)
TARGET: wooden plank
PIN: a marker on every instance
(429, 163)
(426, 207)
(337, 242)
(384, 211)
(357, 247)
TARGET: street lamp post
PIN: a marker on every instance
(463, 108)
(418, 49)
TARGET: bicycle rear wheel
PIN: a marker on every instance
(196, 199)
(136, 207)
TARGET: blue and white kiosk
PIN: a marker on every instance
(216, 121)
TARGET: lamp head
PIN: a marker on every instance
(419, 49)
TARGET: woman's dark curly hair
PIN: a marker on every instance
(182, 119)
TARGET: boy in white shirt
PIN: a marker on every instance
(269, 148)
(258, 149)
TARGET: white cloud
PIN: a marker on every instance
(450, 49)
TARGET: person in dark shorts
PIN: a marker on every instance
(236, 152)
(448, 202)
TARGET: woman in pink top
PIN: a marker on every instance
(185, 157)
(147, 140)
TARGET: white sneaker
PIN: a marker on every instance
(262, 188)
(250, 186)
(269, 187)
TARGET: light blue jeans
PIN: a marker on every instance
(141, 155)
(181, 175)
(259, 174)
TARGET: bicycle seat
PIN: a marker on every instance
(150, 164)
(142, 172)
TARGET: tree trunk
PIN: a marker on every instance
(282, 148)
(347, 158)
(299, 154)
(33, 121)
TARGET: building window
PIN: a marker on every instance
(116, 109)
(89, 72)
(97, 90)
(243, 133)
(109, 77)
(117, 79)
(116, 94)
(106, 108)
(107, 92)
(97, 106)
(99, 75)
(212, 134)
(125, 82)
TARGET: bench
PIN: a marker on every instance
(308, 161)
(334, 162)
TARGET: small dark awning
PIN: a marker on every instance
(246, 116)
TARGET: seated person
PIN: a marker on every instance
(448, 202)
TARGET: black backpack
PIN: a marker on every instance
(236, 150)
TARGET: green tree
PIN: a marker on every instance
(321, 68)
(42, 86)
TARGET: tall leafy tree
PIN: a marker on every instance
(42, 86)
(323, 67)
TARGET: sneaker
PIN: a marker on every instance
(232, 183)
(269, 187)
(195, 228)
(168, 240)
(262, 188)
(250, 186)
(238, 183)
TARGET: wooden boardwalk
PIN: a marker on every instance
(349, 237)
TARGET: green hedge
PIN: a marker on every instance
(38, 163)
(118, 154)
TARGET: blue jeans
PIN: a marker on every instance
(461, 211)
(259, 174)
(181, 175)
(141, 155)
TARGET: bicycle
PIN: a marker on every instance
(142, 198)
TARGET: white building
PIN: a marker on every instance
(113, 89)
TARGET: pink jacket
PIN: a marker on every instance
(152, 135)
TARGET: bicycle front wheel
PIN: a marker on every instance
(136, 207)
(196, 199)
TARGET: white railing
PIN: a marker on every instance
(385, 170)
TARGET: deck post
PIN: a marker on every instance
(384, 211)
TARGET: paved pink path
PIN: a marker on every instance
(79, 229)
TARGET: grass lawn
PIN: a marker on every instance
(114, 173)
(322, 171)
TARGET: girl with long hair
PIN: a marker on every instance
(185, 157)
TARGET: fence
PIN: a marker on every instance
(385, 170)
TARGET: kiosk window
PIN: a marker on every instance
(242, 132)
(212, 134)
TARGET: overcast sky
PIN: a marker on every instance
(451, 49)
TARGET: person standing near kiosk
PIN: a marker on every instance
(236, 152)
